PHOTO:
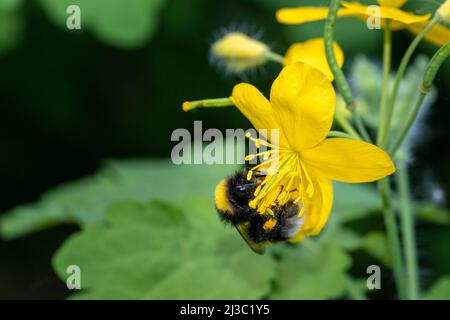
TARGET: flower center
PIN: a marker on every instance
(285, 178)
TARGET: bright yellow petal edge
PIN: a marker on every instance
(438, 34)
(312, 52)
(349, 160)
(307, 14)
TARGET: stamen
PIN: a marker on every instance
(257, 191)
(283, 174)
(258, 142)
(310, 187)
(302, 211)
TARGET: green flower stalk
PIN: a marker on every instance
(339, 77)
(384, 136)
(430, 74)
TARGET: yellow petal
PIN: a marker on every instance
(392, 3)
(312, 52)
(394, 14)
(307, 14)
(438, 35)
(317, 208)
(256, 108)
(349, 160)
(303, 102)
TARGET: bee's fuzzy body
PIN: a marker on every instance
(232, 198)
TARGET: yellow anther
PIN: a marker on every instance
(250, 157)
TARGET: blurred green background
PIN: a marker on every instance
(69, 100)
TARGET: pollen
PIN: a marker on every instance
(270, 224)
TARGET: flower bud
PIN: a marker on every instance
(444, 11)
(239, 52)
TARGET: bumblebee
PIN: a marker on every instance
(232, 196)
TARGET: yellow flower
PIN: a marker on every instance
(390, 9)
(312, 52)
(301, 107)
(239, 52)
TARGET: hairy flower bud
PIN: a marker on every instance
(444, 11)
(239, 52)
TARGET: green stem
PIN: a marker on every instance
(387, 50)
(338, 134)
(430, 74)
(360, 125)
(392, 235)
(347, 127)
(400, 72)
(339, 77)
(408, 232)
(207, 103)
(273, 56)
(409, 122)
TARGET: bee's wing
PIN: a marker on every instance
(242, 228)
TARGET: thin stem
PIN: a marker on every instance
(339, 77)
(392, 235)
(273, 56)
(401, 71)
(387, 51)
(338, 134)
(409, 122)
(207, 103)
(430, 74)
(360, 125)
(347, 127)
(408, 232)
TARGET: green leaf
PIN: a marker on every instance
(125, 24)
(368, 88)
(347, 238)
(440, 290)
(376, 245)
(10, 5)
(356, 288)
(430, 213)
(312, 270)
(157, 251)
(354, 201)
(84, 201)
(11, 25)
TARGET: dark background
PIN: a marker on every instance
(68, 101)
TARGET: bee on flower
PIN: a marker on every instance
(301, 107)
